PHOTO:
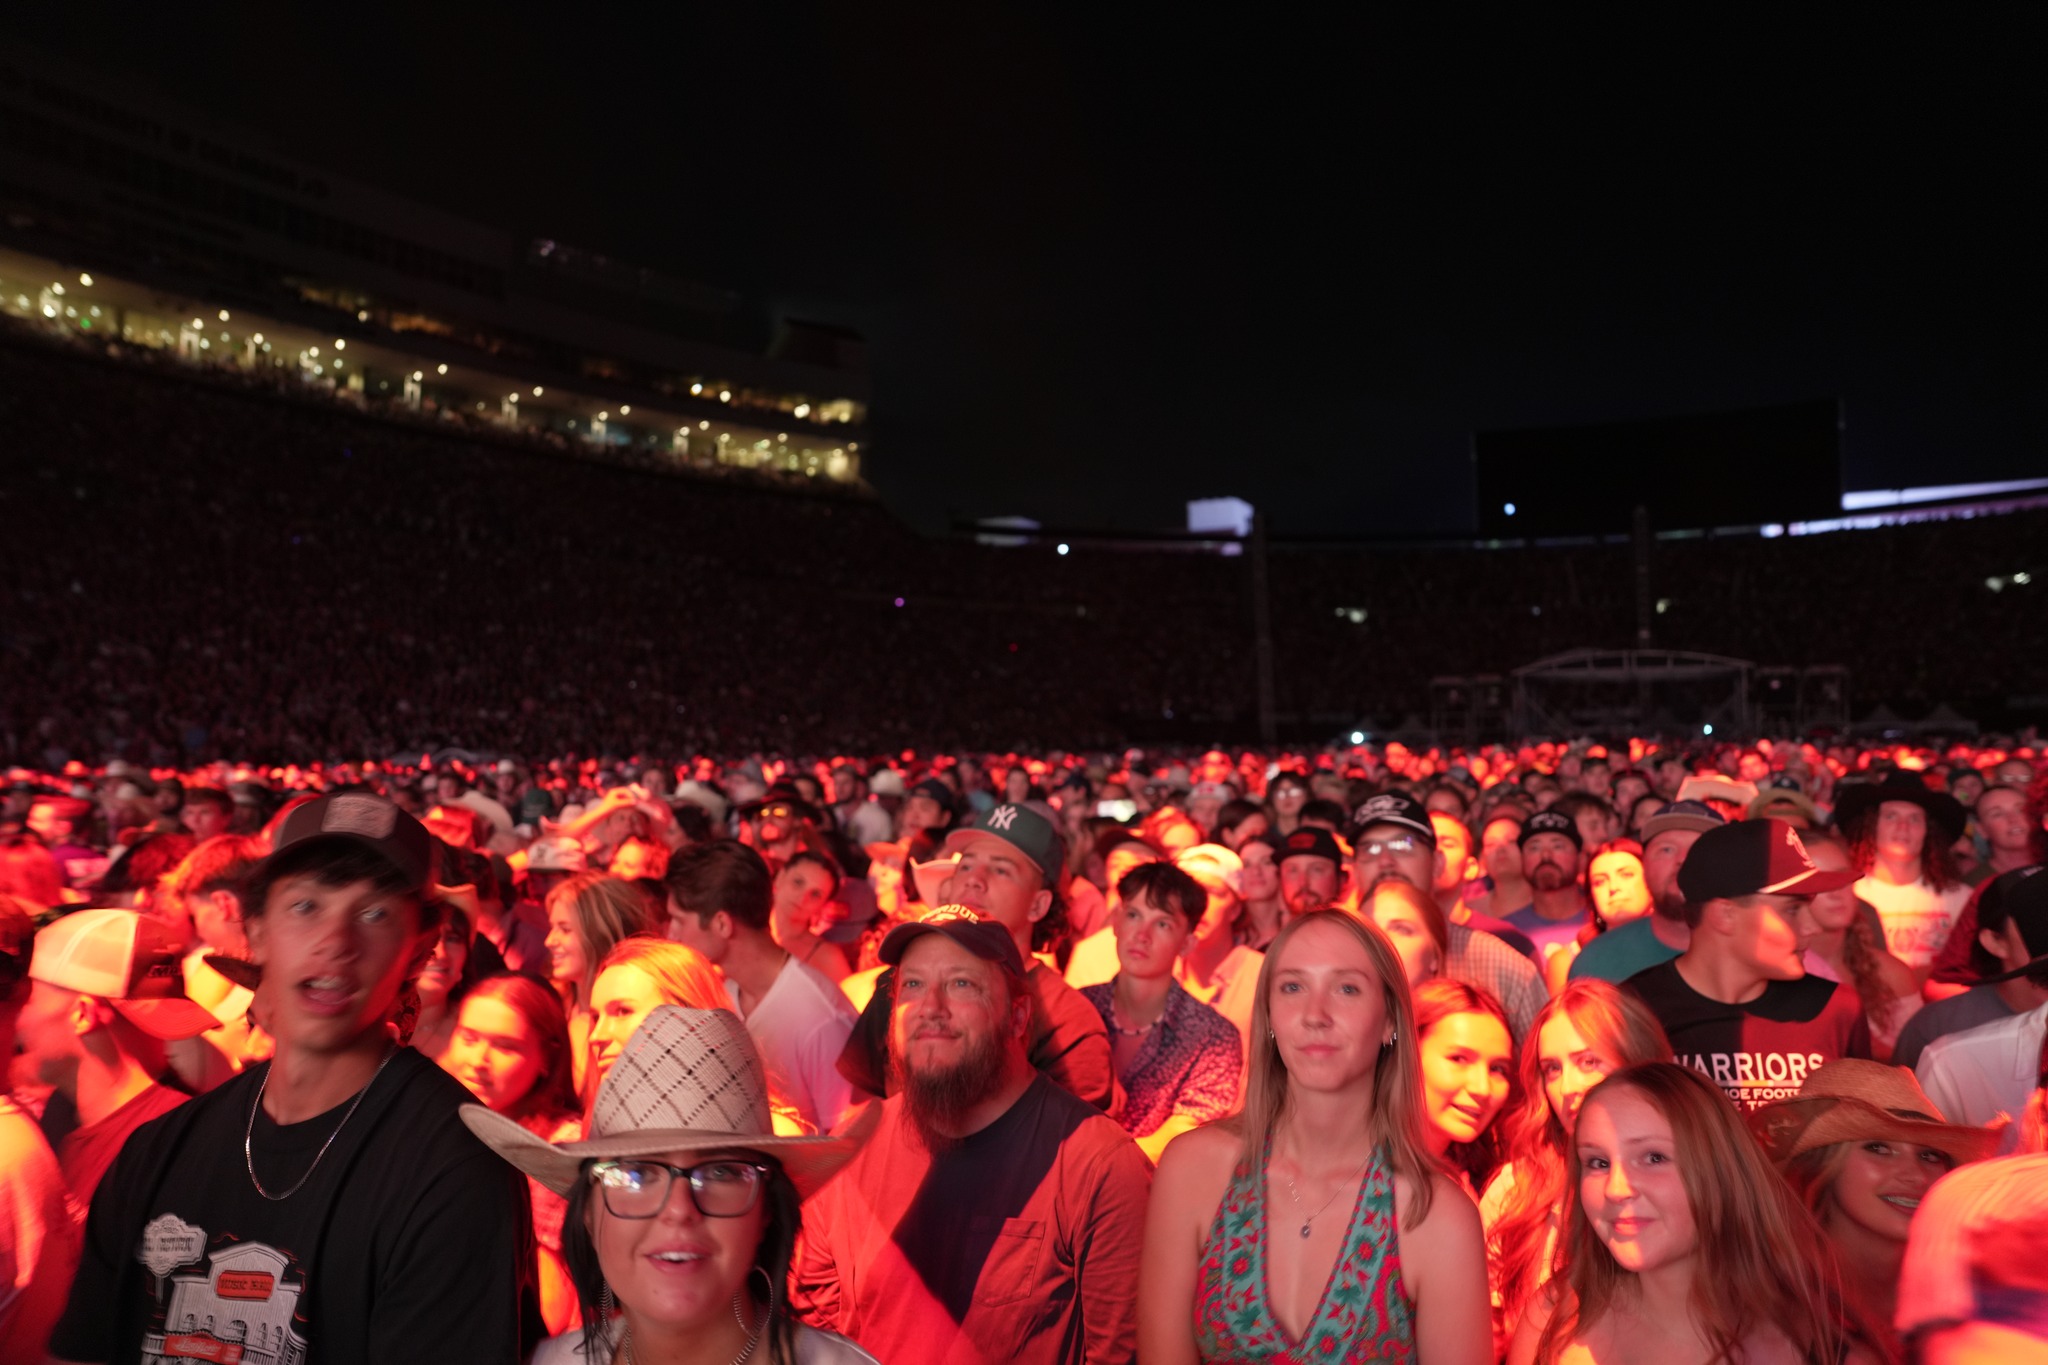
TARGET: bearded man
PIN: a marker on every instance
(993, 1217)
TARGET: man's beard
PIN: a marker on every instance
(1670, 905)
(1549, 877)
(1305, 902)
(939, 1098)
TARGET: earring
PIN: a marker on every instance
(767, 1302)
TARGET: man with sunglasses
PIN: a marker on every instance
(1392, 840)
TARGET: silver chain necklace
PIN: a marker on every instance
(1296, 1198)
(249, 1133)
(753, 1336)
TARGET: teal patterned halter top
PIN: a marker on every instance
(1364, 1314)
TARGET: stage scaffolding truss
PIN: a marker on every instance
(1633, 691)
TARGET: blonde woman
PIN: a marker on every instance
(588, 916)
(1314, 1224)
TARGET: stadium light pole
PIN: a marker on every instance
(1262, 631)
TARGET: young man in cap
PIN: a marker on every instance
(1737, 1004)
(1992, 1069)
(328, 1205)
(1618, 954)
(1311, 870)
(1553, 852)
(38, 1234)
(993, 1217)
(1005, 865)
(2000, 949)
(1393, 840)
(109, 993)
(719, 903)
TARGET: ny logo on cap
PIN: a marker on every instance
(1002, 817)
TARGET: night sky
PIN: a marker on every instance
(1106, 263)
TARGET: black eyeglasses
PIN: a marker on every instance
(725, 1188)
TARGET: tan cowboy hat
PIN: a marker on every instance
(689, 1080)
(1852, 1100)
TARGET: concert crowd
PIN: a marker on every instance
(490, 597)
(1651, 1051)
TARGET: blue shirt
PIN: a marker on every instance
(1620, 953)
(1547, 934)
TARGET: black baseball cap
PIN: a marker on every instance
(975, 932)
(2023, 902)
(366, 819)
(1394, 808)
(1311, 841)
(1551, 822)
(1753, 858)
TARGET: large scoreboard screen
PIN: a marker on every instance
(1747, 468)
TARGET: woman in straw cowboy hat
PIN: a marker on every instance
(1861, 1144)
(684, 1207)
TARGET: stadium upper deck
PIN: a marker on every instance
(124, 217)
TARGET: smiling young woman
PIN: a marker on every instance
(1684, 1245)
(1860, 1145)
(1580, 1037)
(1468, 1075)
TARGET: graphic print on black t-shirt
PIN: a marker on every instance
(405, 1239)
(1763, 1050)
(235, 1303)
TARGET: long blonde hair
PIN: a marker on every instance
(1623, 1031)
(1760, 1258)
(1396, 1117)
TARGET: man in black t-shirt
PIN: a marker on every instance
(329, 1205)
(1738, 1004)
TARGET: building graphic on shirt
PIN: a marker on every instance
(235, 1310)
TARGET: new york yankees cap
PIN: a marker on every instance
(1023, 829)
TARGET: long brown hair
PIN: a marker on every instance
(605, 911)
(1396, 1113)
(552, 1096)
(1860, 944)
(1761, 1261)
(1439, 999)
(1937, 861)
(1622, 1029)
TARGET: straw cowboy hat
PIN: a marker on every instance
(1852, 1100)
(688, 1081)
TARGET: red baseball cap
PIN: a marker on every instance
(1753, 858)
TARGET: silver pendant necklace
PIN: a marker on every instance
(249, 1133)
(1296, 1198)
